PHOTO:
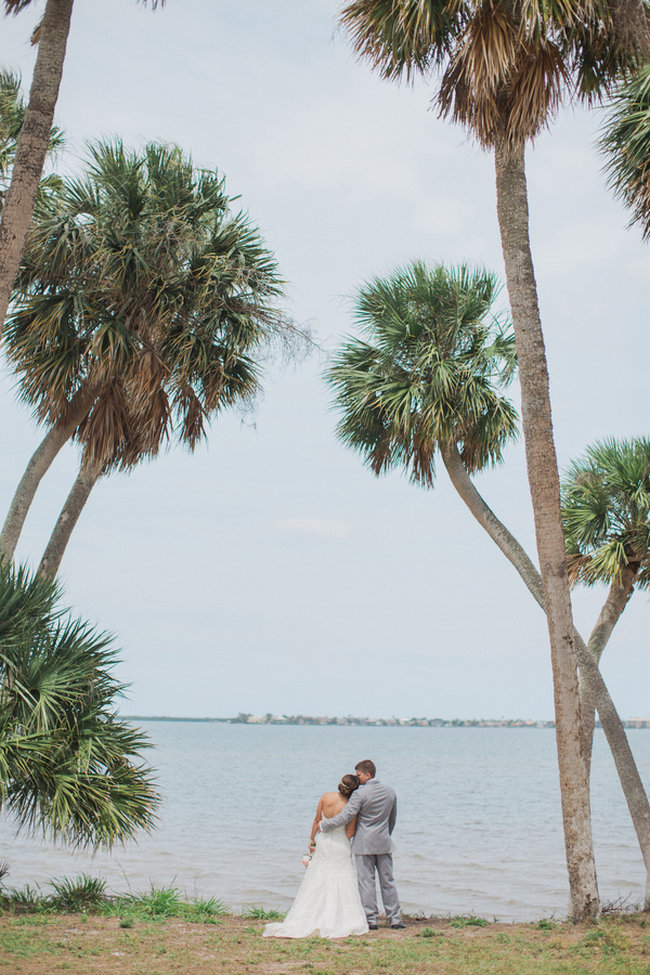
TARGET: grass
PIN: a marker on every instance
(78, 894)
(87, 895)
(26, 899)
(259, 914)
(468, 921)
(40, 944)
(79, 929)
(159, 932)
(547, 924)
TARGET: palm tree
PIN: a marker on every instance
(68, 765)
(606, 511)
(424, 379)
(12, 111)
(51, 36)
(12, 114)
(505, 70)
(141, 311)
(626, 144)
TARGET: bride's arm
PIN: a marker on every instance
(314, 828)
(350, 828)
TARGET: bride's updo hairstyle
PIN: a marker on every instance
(348, 784)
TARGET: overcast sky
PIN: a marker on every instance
(270, 571)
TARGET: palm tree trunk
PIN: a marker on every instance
(88, 476)
(32, 144)
(628, 773)
(617, 599)
(37, 467)
(544, 481)
(631, 24)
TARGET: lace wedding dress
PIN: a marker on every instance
(327, 902)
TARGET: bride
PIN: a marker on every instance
(327, 902)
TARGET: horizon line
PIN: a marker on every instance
(346, 720)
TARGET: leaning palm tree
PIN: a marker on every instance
(504, 71)
(51, 36)
(606, 511)
(142, 309)
(426, 379)
(69, 766)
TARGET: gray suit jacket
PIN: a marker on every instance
(376, 806)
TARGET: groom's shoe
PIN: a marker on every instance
(372, 925)
(398, 926)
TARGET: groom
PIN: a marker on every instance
(375, 805)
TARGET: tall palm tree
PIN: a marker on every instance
(606, 511)
(424, 379)
(626, 144)
(504, 71)
(141, 310)
(51, 36)
(69, 766)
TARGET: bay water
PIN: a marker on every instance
(478, 831)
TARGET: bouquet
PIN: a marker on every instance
(306, 860)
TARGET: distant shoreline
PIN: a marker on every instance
(349, 721)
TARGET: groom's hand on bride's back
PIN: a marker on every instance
(347, 813)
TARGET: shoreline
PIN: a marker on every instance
(349, 721)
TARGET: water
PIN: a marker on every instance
(479, 827)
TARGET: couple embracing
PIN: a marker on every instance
(334, 901)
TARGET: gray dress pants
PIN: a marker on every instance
(382, 863)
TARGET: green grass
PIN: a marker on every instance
(468, 921)
(208, 909)
(77, 894)
(87, 895)
(260, 914)
(156, 942)
(22, 943)
(201, 936)
(24, 899)
(163, 902)
(547, 924)
(159, 902)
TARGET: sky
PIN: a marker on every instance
(270, 571)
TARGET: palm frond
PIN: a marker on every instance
(426, 373)
(68, 766)
(606, 511)
(504, 68)
(625, 141)
(142, 286)
(403, 37)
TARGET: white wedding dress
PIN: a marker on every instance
(327, 902)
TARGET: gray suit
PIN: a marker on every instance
(375, 805)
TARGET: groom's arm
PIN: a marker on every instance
(392, 817)
(345, 816)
